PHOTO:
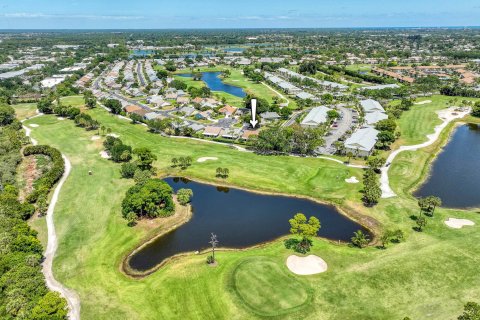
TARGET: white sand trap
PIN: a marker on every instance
(458, 223)
(60, 118)
(104, 154)
(423, 102)
(33, 125)
(352, 180)
(203, 159)
(235, 80)
(306, 265)
(93, 138)
(113, 135)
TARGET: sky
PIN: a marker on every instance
(186, 14)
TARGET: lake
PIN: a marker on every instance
(215, 83)
(455, 173)
(240, 219)
(142, 53)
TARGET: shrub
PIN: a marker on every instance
(184, 196)
(360, 239)
(128, 170)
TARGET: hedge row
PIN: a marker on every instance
(48, 180)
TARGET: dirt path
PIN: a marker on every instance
(72, 298)
(447, 116)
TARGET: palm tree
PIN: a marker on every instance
(226, 172)
(360, 239)
(174, 162)
(421, 223)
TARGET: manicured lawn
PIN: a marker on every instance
(431, 275)
(267, 289)
(74, 101)
(416, 124)
(359, 67)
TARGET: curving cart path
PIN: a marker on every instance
(447, 116)
(71, 296)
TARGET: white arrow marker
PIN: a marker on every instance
(253, 104)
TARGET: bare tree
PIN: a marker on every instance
(213, 242)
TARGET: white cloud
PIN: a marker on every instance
(36, 15)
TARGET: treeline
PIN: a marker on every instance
(11, 140)
(312, 67)
(456, 91)
(363, 76)
(23, 293)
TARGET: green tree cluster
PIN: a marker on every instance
(151, 199)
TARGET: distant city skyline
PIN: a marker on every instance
(150, 14)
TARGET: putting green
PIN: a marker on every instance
(266, 289)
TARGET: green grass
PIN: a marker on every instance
(359, 67)
(431, 275)
(267, 289)
(421, 120)
(74, 101)
(25, 110)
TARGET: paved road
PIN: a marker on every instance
(344, 124)
(294, 117)
(141, 77)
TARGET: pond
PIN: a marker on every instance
(141, 53)
(234, 50)
(215, 83)
(240, 219)
(455, 173)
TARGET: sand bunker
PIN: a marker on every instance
(33, 125)
(60, 118)
(104, 154)
(352, 180)
(458, 223)
(423, 102)
(113, 135)
(306, 265)
(93, 138)
(203, 159)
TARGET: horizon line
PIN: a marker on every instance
(250, 28)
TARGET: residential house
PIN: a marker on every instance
(153, 116)
(231, 133)
(131, 108)
(270, 116)
(248, 133)
(212, 131)
(227, 110)
(188, 111)
(362, 142)
(182, 100)
(371, 105)
(305, 95)
(316, 117)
